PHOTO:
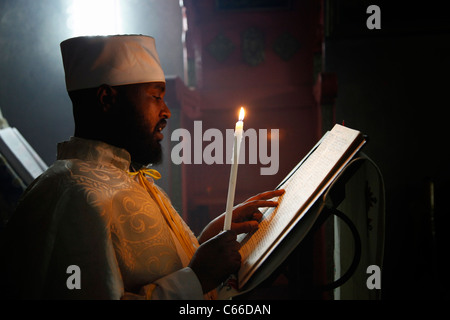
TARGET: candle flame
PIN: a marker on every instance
(241, 114)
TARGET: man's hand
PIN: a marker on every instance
(246, 216)
(216, 259)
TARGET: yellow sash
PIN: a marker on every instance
(170, 215)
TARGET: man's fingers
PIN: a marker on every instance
(257, 216)
(249, 209)
(247, 215)
(245, 227)
(267, 195)
(255, 204)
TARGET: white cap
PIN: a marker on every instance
(113, 60)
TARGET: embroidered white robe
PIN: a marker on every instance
(86, 210)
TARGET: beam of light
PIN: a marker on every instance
(94, 17)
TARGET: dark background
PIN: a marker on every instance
(392, 85)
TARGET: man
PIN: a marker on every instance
(94, 225)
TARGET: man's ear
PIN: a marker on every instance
(107, 97)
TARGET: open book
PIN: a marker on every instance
(303, 186)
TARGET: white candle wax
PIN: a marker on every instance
(234, 166)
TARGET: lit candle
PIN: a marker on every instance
(234, 166)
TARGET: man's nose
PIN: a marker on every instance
(165, 111)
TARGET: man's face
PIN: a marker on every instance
(146, 114)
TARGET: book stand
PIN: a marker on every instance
(296, 253)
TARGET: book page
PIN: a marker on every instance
(302, 189)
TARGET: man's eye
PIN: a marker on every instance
(157, 98)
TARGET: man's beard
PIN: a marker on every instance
(150, 152)
(146, 149)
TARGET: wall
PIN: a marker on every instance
(277, 92)
(33, 97)
(392, 85)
